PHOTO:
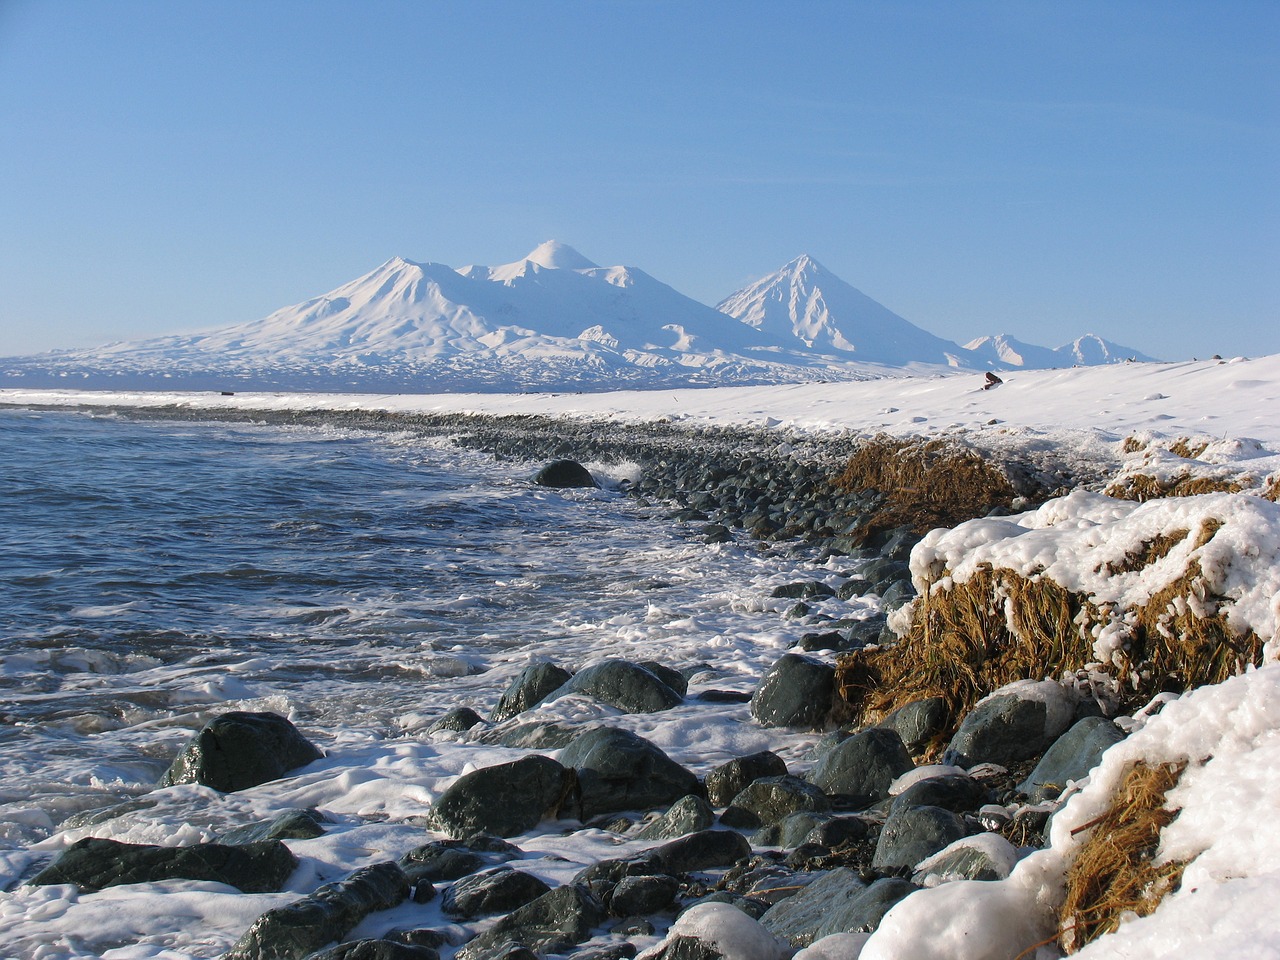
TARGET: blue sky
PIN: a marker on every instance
(1039, 169)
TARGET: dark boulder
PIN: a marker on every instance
(768, 800)
(795, 692)
(798, 918)
(954, 792)
(294, 825)
(94, 863)
(564, 473)
(791, 831)
(1005, 728)
(729, 779)
(673, 678)
(505, 800)
(643, 895)
(687, 815)
(1071, 757)
(304, 926)
(495, 891)
(862, 767)
(377, 950)
(457, 720)
(555, 921)
(534, 683)
(617, 770)
(911, 834)
(442, 860)
(622, 684)
(918, 723)
(239, 750)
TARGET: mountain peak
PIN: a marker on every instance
(803, 264)
(559, 256)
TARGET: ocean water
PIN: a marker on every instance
(153, 574)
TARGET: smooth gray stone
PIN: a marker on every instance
(770, 799)
(93, 863)
(294, 825)
(238, 750)
(790, 831)
(643, 895)
(533, 685)
(1071, 757)
(622, 684)
(564, 473)
(912, 834)
(617, 770)
(556, 920)
(862, 767)
(969, 863)
(457, 720)
(798, 918)
(495, 891)
(506, 799)
(918, 722)
(304, 926)
(730, 778)
(377, 950)
(954, 792)
(687, 815)
(1005, 729)
(796, 692)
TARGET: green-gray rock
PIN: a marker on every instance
(238, 750)
(94, 863)
(506, 799)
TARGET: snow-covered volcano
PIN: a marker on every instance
(807, 302)
(550, 320)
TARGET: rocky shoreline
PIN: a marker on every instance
(751, 860)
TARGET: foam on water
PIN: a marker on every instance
(156, 574)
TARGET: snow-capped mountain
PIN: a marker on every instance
(552, 320)
(1005, 352)
(809, 303)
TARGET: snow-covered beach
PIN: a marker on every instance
(1226, 733)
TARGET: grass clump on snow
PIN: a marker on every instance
(1116, 873)
(1138, 598)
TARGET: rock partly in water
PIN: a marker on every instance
(1070, 758)
(729, 779)
(304, 926)
(622, 684)
(505, 800)
(442, 860)
(985, 856)
(377, 950)
(687, 815)
(643, 895)
(862, 767)
(457, 720)
(554, 922)
(495, 891)
(618, 770)
(238, 750)
(94, 863)
(796, 692)
(533, 685)
(564, 473)
(294, 825)
(770, 799)
(718, 931)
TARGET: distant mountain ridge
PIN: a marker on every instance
(552, 320)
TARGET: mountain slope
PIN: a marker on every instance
(1005, 352)
(809, 303)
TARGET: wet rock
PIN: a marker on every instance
(729, 779)
(674, 679)
(716, 533)
(377, 950)
(642, 895)
(506, 799)
(507, 951)
(496, 891)
(798, 918)
(617, 770)
(704, 850)
(94, 863)
(838, 831)
(1010, 726)
(911, 834)
(897, 594)
(1071, 757)
(616, 951)
(622, 684)
(795, 692)
(294, 825)
(687, 815)
(769, 800)
(457, 720)
(803, 590)
(862, 767)
(791, 831)
(918, 723)
(564, 473)
(442, 860)
(238, 750)
(555, 921)
(533, 685)
(302, 927)
(534, 735)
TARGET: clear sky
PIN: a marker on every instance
(1039, 169)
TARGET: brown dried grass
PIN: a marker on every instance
(1143, 487)
(1115, 873)
(1271, 490)
(925, 483)
(999, 626)
(1185, 448)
